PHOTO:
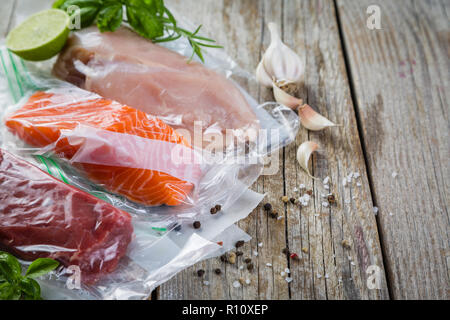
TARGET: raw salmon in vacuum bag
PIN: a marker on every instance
(126, 151)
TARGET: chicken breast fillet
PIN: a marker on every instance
(127, 68)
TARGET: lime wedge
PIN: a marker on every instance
(41, 36)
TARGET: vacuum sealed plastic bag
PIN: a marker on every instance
(125, 146)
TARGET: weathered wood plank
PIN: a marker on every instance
(401, 86)
(237, 26)
(311, 28)
(328, 270)
(5, 16)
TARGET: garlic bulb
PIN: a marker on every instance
(279, 62)
(312, 120)
(304, 153)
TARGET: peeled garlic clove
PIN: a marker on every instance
(280, 61)
(304, 153)
(285, 98)
(262, 76)
(312, 120)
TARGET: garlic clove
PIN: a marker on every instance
(280, 61)
(312, 120)
(262, 76)
(304, 153)
(285, 98)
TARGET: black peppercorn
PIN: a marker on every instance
(197, 224)
(218, 207)
(218, 271)
(200, 272)
(239, 244)
(267, 207)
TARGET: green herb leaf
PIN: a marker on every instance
(30, 288)
(9, 291)
(40, 267)
(149, 18)
(110, 17)
(58, 3)
(144, 22)
(9, 267)
(88, 9)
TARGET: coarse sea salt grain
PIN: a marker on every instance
(295, 189)
(394, 174)
(326, 187)
(319, 276)
(283, 273)
(260, 244)
(302, 186)
(356, 175)
(206, 283)
(247, 281)
(241, 267)
(255, 253)
(326, 180)
(325, 204)
(288, 279)
(268, 264)
(287, 270)
(236, 284)
(375, 210)
(359, 184)
(344, 182)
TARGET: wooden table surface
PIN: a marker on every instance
(389, 88)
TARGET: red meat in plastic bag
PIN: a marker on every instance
(41, 216)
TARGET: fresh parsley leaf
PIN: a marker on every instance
(40, 267)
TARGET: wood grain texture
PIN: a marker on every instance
(7, 9)
(401, 87)
(328, 271)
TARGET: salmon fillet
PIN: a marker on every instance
(127, 68)
(48, 119)
(41, 216)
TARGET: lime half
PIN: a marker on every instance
(41, 36)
